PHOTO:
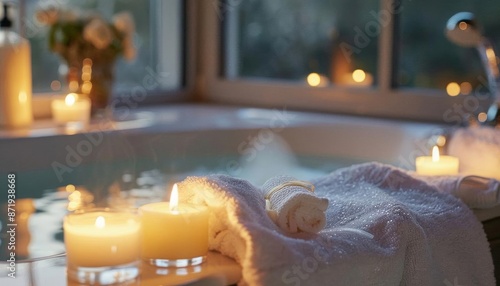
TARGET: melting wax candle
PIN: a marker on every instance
(174, 234)
(101, 238)
(72, 108)
(436, 164)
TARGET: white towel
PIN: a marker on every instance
(478, 149)
(293, 206)
(475, 191)
(417, 235)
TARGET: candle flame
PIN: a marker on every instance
(435, 154)
(100, 222)
(70, 99)
(174, 198)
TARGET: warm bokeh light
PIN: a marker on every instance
(465, 87)
(441, 140)
(78, 198)
(462, 26)
(75, 196)
(73, 85)
(87, 62)
(435, 154)
(87, 69)
(490, 53)
(313, 79)
(70, 99)
(482, 117)
(86, 76)
(70, 188)
(453, 89)
(358, 75)
(86, 87)
(55, 85)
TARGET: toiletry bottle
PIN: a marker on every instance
(15, 76)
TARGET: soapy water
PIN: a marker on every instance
(133, 189)
(276, 158)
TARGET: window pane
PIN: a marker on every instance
(150, 31)
(429, 59)
(290, 39)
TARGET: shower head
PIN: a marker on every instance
(462, 29)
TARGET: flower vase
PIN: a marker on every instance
(93, 78)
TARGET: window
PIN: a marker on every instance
(158, 41)
(428, 59)
(385, 58)
(308, 41)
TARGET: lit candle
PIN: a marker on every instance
(174, 234)
(101, 238)
(72, 108)
(436, 165)
(358, 78)
(317, 80)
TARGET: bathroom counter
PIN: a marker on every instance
(52, 272)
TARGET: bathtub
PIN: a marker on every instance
(179, 140)
(150, 148)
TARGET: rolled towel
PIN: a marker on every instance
(293, 206)
(478, 149)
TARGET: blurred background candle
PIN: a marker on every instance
(317, 80)
(101, 241)
(436, 164)
(72, 108)
(174, 234)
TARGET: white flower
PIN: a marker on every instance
(98, 33)
(47, 16)
(124, 23)
(129, 50)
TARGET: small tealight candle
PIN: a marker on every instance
(174, 234)
(72, 108)
(102, 246)
(436, 164)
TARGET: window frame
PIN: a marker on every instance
(382, 100)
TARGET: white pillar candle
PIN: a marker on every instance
(172, 231)
(436, 164)
(72, 108)
(102, 238)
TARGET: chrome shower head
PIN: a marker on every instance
(463, 30)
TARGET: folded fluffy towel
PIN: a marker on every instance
(418, 235)
(478, 149)
(476, 192)
(293, 206)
